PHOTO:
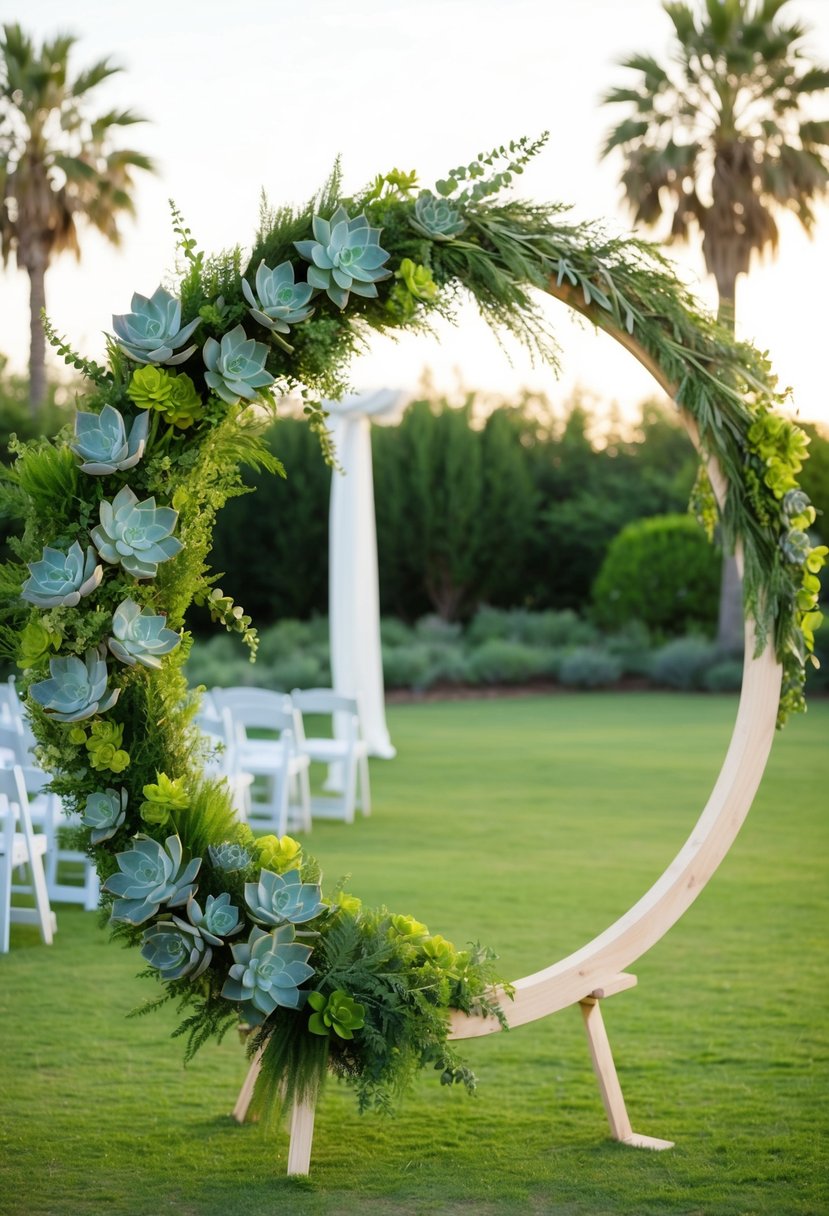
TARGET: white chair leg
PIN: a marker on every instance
(305, 798)
(365, 794)
(44, 911)
(91, 887)
(5, 901)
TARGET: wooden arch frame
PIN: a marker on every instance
(597, 970)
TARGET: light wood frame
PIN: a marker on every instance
(598, 969)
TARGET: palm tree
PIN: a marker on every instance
(719, 143)
(57, 166)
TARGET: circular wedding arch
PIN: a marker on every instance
(114, 701)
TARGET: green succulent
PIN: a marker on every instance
(136, 535)
(236, 368)
(36, 643)
(150, 875)
(440, 952)
(798, 510)
(220, 918)
(104, 747)
(176, 949)
(184, 406)
(436, 217)
(102, 442)
(140, 637)
(152, 331)
(76, 689)
(345, 256)
(279, 853)
(278, 898)
(267, 971)
(62, 578)
(104, 813)
(163, 797)
(229, 857)
(338, 1012)
(279, 302)
(150, 388)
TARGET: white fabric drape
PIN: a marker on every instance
(354, 594)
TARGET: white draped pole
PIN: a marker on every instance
(354, 591)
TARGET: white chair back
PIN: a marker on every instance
(344, 751)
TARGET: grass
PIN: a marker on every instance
(529, 824)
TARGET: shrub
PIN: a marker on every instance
(661, 571)
(301, 670)
(285, 638)
(725, 676)
(632, 647)
(435, 629)
(556, 629)
(501, 661)
(448, 665)
(488, 623)
(682, 663)
(588, 668)
(406, 666)
(393, 632)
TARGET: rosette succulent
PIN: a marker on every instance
(104, 746)
(104, 813)
(152, 331)
(345, 256)
(236, 368)
(279, 302)
(76, 689)
(437, 218)
(162, 797)
(136, 535)
(139, 637)
(796, 547)
(62, 578)
(102, 442)
(278, 898)
(220, 918)
(798, 510)
(338, 1012)
(267, 972)
(279, 853)
(229, 857)
(176, 949)
(150, 875)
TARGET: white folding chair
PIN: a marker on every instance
(347, 751)
(48, 813)
(275, 758)
(223, 762)
(21, 847)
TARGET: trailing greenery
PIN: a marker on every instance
(118, 529)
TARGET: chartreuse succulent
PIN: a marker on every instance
(37, 641)
(162, 797)
(279, 302)
(173, 395)
(277, 898)
(135, 535)
(103, 746)
(140, 637)
(220, 918)
(436, 218)
(338, 1012)
(279, 853)
(176, 949)
(345, 256)
(267, 971)
(60, 578)
(76, 688)
(236, 367)
(102, 442)
(150, 875)
(104, 812)
(152, 331)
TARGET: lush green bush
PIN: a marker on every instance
(632, 647)
(407, 666)
(585, 668)
(549, 628)
(503, 661)
(683, 662)
(661, 571)
(725, 676)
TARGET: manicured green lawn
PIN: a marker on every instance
(529, 824)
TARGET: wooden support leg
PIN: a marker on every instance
(605, 1069)
(240, 1110)
(302, 1137)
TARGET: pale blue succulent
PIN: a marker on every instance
(229, 857)
(279, 302)
(135, 535)
(345, 256)
(267, 972)
(104, 813)
(176, 949)
(437, 218)
(153, 330)
(151, 875)
(139, 637)
(62, 578)
(278, 898)
(77, 688)
(796, 546)
(236, 369)
(220, 918)
(102, 443)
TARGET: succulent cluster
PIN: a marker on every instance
(62, 578)
(345, 256)
(76, 688)
(102, 442)
(135, 535)
(152, 331)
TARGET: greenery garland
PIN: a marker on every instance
(118, 512)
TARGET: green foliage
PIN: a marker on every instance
(684, 662)
(661, 571)
(585, 668)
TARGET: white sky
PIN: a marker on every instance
(266, 94)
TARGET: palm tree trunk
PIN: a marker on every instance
(36, 267)
(730, 626)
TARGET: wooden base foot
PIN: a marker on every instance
(605, 1069)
